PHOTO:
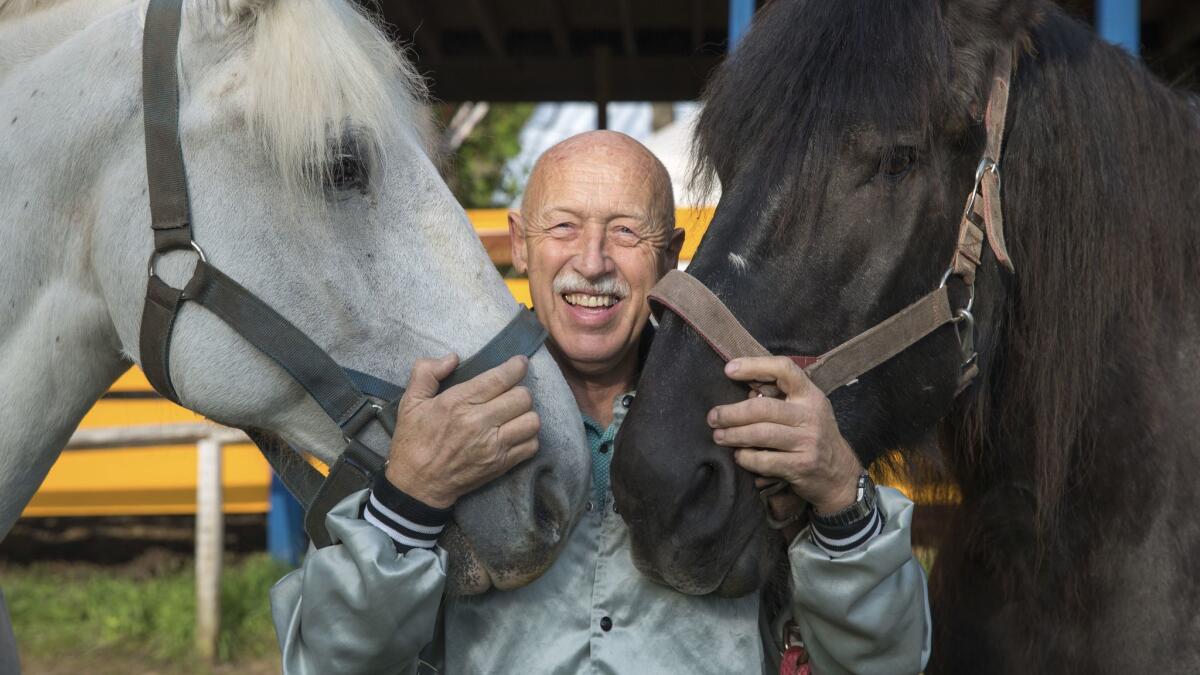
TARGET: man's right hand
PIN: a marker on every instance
(448, 444)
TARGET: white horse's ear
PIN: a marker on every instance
(233, 12)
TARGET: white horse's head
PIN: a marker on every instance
(302, 133)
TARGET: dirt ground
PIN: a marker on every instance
(108, 664)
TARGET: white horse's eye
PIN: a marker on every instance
(346, 172)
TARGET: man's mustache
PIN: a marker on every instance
(574, 282)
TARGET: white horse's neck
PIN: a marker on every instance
(58, 350)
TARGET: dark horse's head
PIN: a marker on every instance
(845, 136)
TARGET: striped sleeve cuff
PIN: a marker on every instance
(408, 521)
(837, 541)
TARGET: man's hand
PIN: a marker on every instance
(795, 438)
(449, 444)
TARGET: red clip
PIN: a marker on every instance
(795, 656)
(795, 662)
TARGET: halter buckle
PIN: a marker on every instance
(367, 412)
(985, 165)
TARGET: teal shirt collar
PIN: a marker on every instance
(600, 443)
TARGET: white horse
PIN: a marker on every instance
(302, 134)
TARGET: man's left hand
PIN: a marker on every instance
(795, 438)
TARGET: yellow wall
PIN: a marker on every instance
(162, 480)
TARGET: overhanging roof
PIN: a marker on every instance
(560, 50)
(643, 50)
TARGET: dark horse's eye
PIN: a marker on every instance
(346, 172)
(897, 161)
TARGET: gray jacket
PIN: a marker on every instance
(359, 607)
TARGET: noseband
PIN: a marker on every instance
(982, 220)
(355, 401)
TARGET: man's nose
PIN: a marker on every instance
(593, 259)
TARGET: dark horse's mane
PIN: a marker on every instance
(1099, 200)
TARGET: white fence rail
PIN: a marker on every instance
(210, 440)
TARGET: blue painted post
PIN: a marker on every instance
(1119, 22)
(740, 13)
(286, 540)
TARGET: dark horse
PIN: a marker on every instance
(846, 136)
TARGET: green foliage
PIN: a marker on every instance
(477, 169)
(74, 612)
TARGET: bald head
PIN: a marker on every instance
(616, 152)
(595, 232)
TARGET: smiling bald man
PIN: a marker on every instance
(595, 232)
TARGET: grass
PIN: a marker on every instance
(148, 613)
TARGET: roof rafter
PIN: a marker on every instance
(486, 23)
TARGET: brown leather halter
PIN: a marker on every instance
(982, 219)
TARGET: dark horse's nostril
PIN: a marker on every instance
(703, 481)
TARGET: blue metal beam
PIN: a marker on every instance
(740, 13)
(286, 540)
(1119, 22)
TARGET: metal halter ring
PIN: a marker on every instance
(155, 256)
(970, 300)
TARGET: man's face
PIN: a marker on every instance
(592, 253)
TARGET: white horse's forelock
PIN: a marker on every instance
(322, 74)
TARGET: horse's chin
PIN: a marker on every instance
(466, 575)
(746, 573)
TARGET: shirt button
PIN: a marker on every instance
(589, 506)
(604, 449)
(626, 400)
(606, 624)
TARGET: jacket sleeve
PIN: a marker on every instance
(357, 606)
(868, 610)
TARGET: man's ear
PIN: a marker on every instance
(978, 31)
(674, 246)
(516, 239)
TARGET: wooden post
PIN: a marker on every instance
(210, 534)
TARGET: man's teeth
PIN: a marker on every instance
(586, 300)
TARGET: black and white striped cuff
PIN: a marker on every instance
(840, 540)
(408, 521)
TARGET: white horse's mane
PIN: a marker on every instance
(319, 73)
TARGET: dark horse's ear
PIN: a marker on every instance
(978, 30)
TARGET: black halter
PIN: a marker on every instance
(355, 401)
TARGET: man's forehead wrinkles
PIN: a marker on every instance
(594, 211)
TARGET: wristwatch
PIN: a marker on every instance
(862, 507)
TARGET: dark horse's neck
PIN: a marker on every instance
(1078, 452)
